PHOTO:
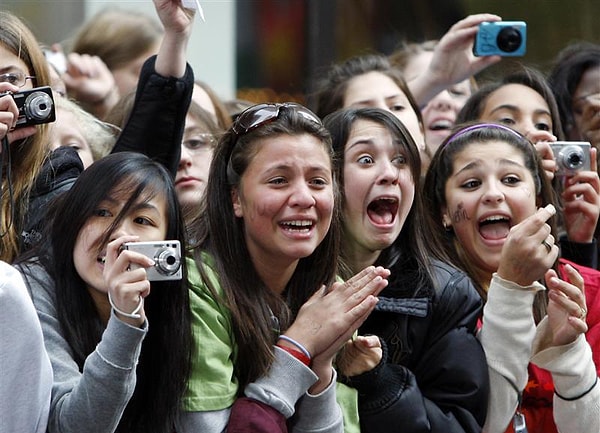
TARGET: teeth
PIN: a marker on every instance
(496, 218)
(298, 223)
(441, 124)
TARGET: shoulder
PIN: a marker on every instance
(39, 284)
(13, 293)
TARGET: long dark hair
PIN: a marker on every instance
(440, 170)
(564, 77)
(220, 233)
(164, 363)
(410, 251)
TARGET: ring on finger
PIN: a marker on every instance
(582, 312)
(547, 245)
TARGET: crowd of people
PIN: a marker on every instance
(410, 251)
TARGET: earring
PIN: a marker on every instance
(446, 224)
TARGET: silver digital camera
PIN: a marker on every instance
(166, 256)
(501, 38)
(571, 156)
(36, 106)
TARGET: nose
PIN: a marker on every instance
(123, 229)
(302, 196)
(493, 193)
(185, 158)
(389, 174)
(443, 101)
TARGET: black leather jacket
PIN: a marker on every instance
(433, 376)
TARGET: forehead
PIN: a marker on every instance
(304, 150)
(488, 153)
(370, 86)
(364, 128)
(9, 62)
(516, 95)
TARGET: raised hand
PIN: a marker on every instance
(9, 113)
(359, 355)
(566, 308)
(529, 250)
(581, 199)
(127, 286)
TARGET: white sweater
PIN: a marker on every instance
(511, 340)
(25, 372)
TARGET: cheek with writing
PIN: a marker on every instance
(460, 214)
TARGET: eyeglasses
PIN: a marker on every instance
(16, 78)
(261, 114)
(199, 142)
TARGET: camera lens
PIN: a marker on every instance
(38, 106)
(573, 157)
(509, 39)
(167, 261)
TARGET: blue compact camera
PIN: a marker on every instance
(501, 38)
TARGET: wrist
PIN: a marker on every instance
(294, 348)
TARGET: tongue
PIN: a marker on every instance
(380, 215)
(494, 231)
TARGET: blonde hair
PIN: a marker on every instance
(100, 136)
(117, 36)
(27, 155)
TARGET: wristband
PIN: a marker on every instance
(295, 343)
(296, 354)
(133, 315)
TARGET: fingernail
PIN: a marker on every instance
(551, 209)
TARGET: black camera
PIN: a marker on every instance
(502, 38)
(166, 256)
(571, 156)
(36, 106)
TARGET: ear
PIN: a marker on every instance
(446, 220)
(235, 201)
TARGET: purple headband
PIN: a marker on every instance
(463, 131)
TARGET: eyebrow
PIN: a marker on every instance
(515, 108)
(477, 162)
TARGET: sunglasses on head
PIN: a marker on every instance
(261, 114)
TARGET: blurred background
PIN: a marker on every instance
(273, 49)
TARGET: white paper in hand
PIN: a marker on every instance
(193, 4)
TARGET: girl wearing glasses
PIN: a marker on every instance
(416, 364)
(268, 314)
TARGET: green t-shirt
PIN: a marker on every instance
(212, 384)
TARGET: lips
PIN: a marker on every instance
(441, 125)
(301, 226)
(185, 180)
(383, 211)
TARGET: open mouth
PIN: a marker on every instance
(441, 125)
(301, 226)
(383, 210)
(494, 227)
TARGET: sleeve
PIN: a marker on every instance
(25, 372)
(585, 254)
(285, 388)
(94, 399)
(157, 120)
(577, 392)
(448, 389)
(212, 387)
(506, 336)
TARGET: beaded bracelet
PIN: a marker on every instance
(133, 315)
(295, 343)
(296, 354)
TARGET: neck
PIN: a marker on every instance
(358, 260)
(102, 305)
(275, 276)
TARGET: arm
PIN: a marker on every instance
(447, 388)
(93, 399)
(163, 95)
(26, 375)
(507, 323)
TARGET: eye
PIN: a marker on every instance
(397, 107)
(319, 182)
(365, 160)
(11, 78)
(399, 160)
(456, 92)
(470, 184)
(511, 179)
(105, 213)
(142, 220)
(542, 126)
(278, 181)
(197, 142)
(506, 121)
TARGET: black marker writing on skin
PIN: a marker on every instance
(460, 214)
